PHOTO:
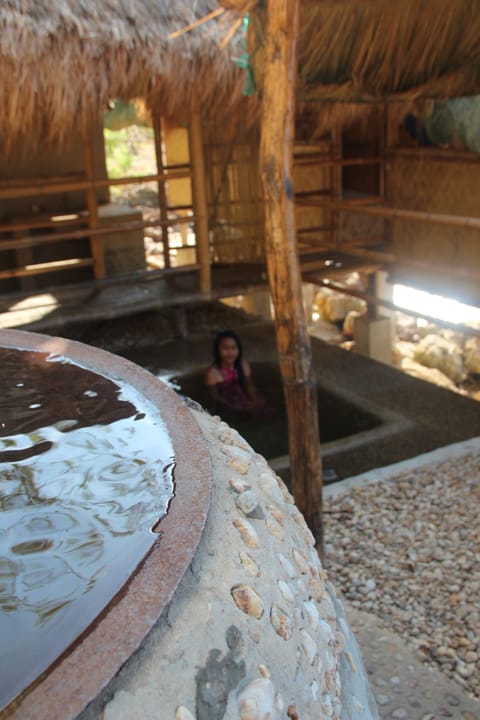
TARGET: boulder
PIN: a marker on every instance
(436, 352)
(472, 355)
(402, 349)
(334, 307)
(428, 374)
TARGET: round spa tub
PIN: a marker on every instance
(228, 615)
(105, 484)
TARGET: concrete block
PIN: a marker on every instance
(124, 251)
(373, 337)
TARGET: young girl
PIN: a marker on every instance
(229, 378)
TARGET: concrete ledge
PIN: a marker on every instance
(439, 455)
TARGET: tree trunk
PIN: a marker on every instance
(293, 340)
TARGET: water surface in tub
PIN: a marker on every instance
(86, 471)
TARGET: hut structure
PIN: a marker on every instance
(368, 195)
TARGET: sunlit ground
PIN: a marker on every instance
(28, 310)
(435, 306)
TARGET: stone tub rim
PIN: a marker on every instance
(86, 668)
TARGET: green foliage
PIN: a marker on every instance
(119, 152)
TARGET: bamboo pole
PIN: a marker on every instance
(47, 267)
(389, 138)
(9, 190)
(96, 245)
(314, 229)
(382, 146)
(31, 241)
(336, 182)
(447, 155)
(161, 190)
(200, 207)
(293, 341)
(338, 161)
(35, 224)
(396, 213)
(367, 200)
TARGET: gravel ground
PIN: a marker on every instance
(407, 549)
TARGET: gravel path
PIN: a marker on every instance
(407, 549)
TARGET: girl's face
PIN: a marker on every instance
(228, 350)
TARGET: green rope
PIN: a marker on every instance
(244, 63)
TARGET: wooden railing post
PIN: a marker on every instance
(200, 207)
(293, 340)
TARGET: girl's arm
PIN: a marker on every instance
(213, 376)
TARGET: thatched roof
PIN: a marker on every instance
(61, 61)
(372, 51)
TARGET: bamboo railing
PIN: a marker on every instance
(24, 234)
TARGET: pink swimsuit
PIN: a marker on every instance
(230, 375)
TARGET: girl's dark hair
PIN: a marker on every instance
(222, 335)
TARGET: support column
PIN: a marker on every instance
(293, 340)
(336, 170)
(200, 207)
(373, 331)
(96, 245)
(161, 193)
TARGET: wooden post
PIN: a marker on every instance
(293, 340)
(96, 245)
(200, 207)
(161, 193)
(336, 182)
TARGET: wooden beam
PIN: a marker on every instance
(293, 340)
(161, 190)
(10, 189)
(396, 213)
(96, 245)
(34, 223)
(336, 218)
(338, 161)
(47, 267)
(200, 206)
(118, 228)
(314, 229)
(447, 155)
(382, 146)
(364, 200)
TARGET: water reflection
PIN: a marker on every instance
(86, 470)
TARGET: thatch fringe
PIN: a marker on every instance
(382, 50)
